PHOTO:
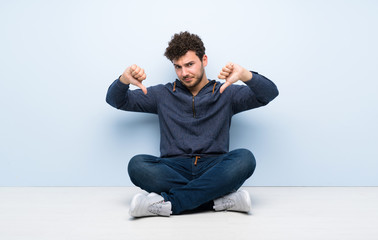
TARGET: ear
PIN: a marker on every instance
(204, 60)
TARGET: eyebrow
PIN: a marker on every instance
(177, 65)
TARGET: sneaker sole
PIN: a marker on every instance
(133, 204)
(247, 198)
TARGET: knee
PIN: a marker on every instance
(136, 165)
(246, 161)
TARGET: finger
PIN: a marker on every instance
(227, 69)
(139, 74)
(135, 68)
(224, 86)
(141, 86)
(132, 68)
(136, 71)
(143, 77)
(221, 76)
(230, 65)
(224, 75)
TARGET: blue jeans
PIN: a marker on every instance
(190, 183)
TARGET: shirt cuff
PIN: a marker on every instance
(121, 85)
(254, 81)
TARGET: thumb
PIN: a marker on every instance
(141, 86)
(224, 86)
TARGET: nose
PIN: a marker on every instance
(184, 71)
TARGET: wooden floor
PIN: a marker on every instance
(303, 213)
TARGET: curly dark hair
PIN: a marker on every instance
(183, 42)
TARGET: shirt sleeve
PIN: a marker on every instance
(259, 91)
(121, 97)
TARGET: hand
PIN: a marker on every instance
(232, 73)
(134, 75)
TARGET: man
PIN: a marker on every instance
(195, 169)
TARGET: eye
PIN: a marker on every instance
(177, 66)
(190, 64)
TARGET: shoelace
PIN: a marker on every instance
(156, 207)
(228, 203)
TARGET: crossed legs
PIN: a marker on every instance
(188, 184)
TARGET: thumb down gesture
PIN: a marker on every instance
(134, 75)
(232, 73)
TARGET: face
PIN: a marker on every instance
(190, 69)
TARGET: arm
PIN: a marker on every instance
(120, 97)
(260, 90)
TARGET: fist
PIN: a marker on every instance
(134, 75)
(232, 73)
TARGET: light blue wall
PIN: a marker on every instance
(57, 59)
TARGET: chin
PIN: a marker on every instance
(192, 83)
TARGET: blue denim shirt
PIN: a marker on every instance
(193, 125)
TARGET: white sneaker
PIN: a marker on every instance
(237, 201)
(150, 205)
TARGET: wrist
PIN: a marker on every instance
(247, 75)
(123, 80)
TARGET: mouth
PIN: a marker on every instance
(188, 79)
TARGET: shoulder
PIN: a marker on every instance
(230, 89)
(160, 89)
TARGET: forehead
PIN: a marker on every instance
(188, 57)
